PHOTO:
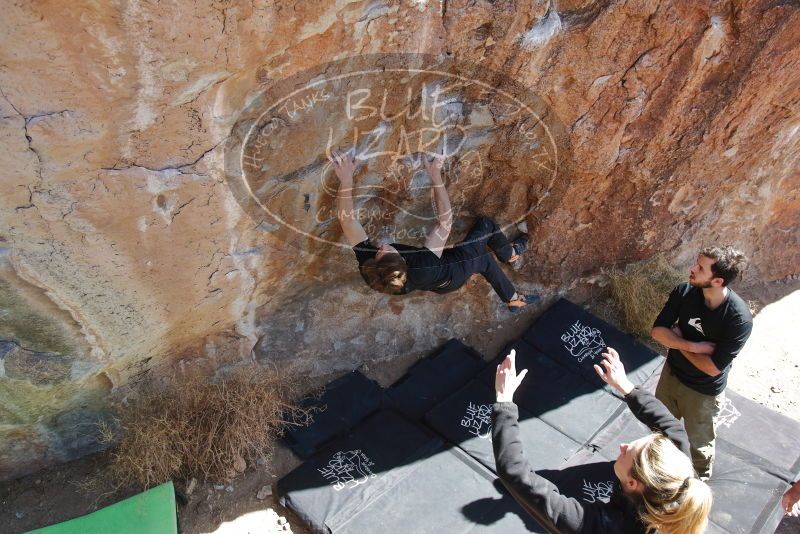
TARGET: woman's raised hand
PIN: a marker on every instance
(613, 372)
(506, 380)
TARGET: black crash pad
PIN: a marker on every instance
(338, 482)
(464, 419)
(431, 380)
(447, 493)
(390, 475)
(757, 456)
(342, 405)
(760, 431)
(746, 496)
(556, 394)
(576, 338)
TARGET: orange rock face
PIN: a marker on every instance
(166, 199)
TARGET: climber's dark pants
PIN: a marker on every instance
(474, 257)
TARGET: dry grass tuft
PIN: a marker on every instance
(640, 290)
(205, 430)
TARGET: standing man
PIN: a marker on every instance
(705, 325)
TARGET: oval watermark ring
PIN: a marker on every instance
(503, 147)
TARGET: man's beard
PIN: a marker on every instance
(700, 285)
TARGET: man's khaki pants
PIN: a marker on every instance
(698, 412)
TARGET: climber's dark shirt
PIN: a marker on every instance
(425, 271)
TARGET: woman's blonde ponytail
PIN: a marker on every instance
(673, 500)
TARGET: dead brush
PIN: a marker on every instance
(639, 291)
(209, 431)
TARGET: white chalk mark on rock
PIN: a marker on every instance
(543, 30)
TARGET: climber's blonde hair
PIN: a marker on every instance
(673, 500)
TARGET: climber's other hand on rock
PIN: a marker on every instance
(344, 165)
(434, 165)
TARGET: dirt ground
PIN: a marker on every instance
(767, 371)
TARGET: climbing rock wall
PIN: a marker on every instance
(134, 240)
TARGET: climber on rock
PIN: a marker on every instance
(398, 269)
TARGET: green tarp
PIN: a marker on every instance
(151, 512)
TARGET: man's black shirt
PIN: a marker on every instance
(728, 326)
